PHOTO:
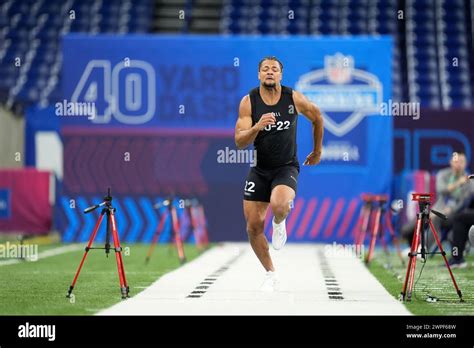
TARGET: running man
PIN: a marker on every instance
(267, 118)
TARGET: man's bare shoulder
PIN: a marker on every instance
(245, 106)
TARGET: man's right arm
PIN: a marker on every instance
(245, 133)
(442, 185)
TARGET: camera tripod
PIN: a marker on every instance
(362, 226)
(110, 212)
(175, 229)
(423, 223)
(382, 223)
(197, 228)
(376, 217)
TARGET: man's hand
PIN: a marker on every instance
(462, 180)
(265, 120)
(447, 210)
(458, 183)
(313, 158)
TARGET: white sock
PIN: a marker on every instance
(278, 225)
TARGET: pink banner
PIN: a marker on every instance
(24, 201)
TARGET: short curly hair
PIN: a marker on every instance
(270, 58)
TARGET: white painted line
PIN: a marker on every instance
(235, 291)
(45, 254)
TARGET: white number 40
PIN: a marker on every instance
(131, 103)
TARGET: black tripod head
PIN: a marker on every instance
(381, 200)
(168, 202)
(108, 198)
(107, 202)
(424, 202)
(367, 197)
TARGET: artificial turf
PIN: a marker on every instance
(40, 288)
(434, 293)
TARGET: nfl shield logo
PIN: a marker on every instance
(339, 68)
(345, 94)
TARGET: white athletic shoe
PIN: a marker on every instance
(279, 234)
(271, 282)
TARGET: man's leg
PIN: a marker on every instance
(408, 231)
(462, 222)
(255, 216)
(281, 201)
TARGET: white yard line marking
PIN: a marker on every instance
(306, 286)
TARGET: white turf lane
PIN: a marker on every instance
(304, 285)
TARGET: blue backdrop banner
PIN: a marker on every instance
(165, 86)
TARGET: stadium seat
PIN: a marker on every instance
(435, 33)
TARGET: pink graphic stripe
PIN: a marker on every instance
(347, 219)
(334, 217)
(310, 207)
(268, 225)
(320, 218)
(293, 216)
(358, 226)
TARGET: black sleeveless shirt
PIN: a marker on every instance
(276, 144)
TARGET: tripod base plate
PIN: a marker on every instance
(125, 292)
(69, 292)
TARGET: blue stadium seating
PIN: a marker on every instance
(30, 30)
(432, 43)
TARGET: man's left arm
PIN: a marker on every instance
(312, 112)
(467, 194)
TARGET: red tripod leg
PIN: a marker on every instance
(375, 232)
(416, 243)
(360, 222)
(118, 256)
(194, 224)
(156, 236)
(413, 249)
(91, 240)
(384, 243)
(190, 227)
(177, 237)
(364, 225)
(203, 223)
(381, 233)
(458, 291)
